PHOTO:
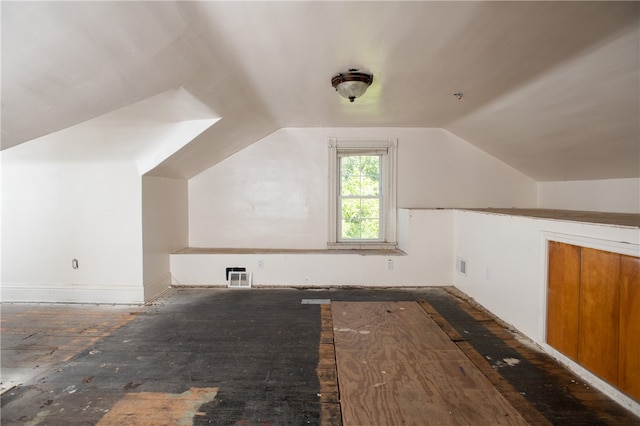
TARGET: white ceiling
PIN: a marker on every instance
(550, 88)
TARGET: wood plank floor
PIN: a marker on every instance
(255, 357)
(35, 337)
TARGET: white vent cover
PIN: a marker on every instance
(461, 265)
(239, 279)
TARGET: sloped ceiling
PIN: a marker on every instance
(144, 133)
(550, 88)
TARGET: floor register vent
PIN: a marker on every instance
(238, 278)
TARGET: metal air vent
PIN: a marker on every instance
(461, 265)
(239, 279)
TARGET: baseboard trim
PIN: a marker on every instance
(157, 287)
(130, 294)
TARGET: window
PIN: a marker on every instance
(359, 197)
(362, 193)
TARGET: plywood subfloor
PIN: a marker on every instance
(396, 366)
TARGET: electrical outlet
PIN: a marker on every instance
(260, 264)
(389, 264)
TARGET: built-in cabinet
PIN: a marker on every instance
(629, 361)
(593, 312)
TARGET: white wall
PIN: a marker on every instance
(506, 260)
(54, 212)
(425, 236)
(164, 229)
(506, 268)
(273, 194)
(610, 195)
(78, 193)
(438, 169)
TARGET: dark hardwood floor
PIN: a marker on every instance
(252, 356)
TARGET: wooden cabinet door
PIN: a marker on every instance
(599, 313)
(629, 362)
(563, 295)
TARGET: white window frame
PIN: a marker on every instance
(386, 148)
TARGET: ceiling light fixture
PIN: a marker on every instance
(352, 84)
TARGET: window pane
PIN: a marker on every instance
(370, 229)
(370, 208)
(351, 208)
(359, 199)
(351, 216)
(350, 176)
(370, 166)
(350, 230)
(360, 175)
(360, 218)
(350, 185)
(370, 175)
(361, 229)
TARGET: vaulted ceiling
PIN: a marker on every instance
(550, 88)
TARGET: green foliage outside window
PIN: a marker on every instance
(360, 197)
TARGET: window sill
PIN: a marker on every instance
(362, 246)
(364, 251)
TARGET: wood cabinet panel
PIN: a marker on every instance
(563, 295)
(593, 312)
(629, 362)
(598, 344)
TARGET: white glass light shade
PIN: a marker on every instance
(352, 84)
(352, 89)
